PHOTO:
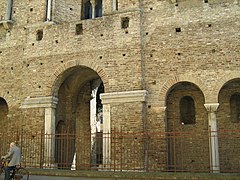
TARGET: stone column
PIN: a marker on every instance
(93, 8)
(8, 15)
(49, 104)
(49, 10)
(107, 100)
(213, 138)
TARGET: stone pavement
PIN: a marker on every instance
(34, 177)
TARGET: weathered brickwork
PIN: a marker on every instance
(170, 48)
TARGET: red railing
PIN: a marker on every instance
(128, 151)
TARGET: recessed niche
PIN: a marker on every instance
(39, 35)
(178, 29)
(31, 9)
(79, 29)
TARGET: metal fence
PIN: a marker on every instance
(127, 151)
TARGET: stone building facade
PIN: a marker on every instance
(146, 65)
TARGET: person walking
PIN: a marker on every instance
(14, 154)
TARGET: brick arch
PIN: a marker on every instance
(176, 79)
(70, 64)
(5, 97)
(223, 80)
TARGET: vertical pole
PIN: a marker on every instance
(213, 138)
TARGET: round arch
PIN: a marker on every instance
(65, 69)
(169, 84)
(223, 81)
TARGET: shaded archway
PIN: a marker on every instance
(4, 124)
(74, 109)
(3, 114)
(187, 128)
(228, 119)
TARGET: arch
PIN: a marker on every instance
(227, 77)
(3, 113)
(60, 71)
(176, 79)
(5, 95)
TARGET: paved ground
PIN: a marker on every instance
(33, 177)
(61, 178)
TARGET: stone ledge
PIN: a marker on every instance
(123, 97)
(39, 102)
(7, 24)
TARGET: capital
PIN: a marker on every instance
(211, 107)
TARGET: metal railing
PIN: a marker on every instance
(127, 151)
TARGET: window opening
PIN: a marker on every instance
(125, 23)
(235, 107)
(98, 8)
(87, 10)
(187, 110)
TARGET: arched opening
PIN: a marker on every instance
(86, 9)
(98, 8)
(187, 128)
(228, 125)
(76, 118)
(3, 114)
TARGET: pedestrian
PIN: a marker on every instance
(14, 156)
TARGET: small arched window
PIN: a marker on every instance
(187, 110)
(98, 8)
(235, 107)
(87, 10)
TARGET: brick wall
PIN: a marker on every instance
(193, 41)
